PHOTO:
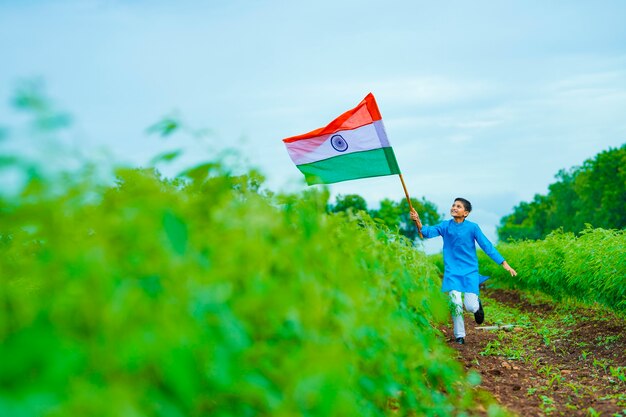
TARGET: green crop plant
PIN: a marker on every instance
(607, 341)
(554, 379)
(547, 404)
(205, 296)
(618, 372)
(590, 267)
(513, 353)
(601, 364)
(592, 412)
(547, 333)
(493, 348)
(547, 370)
(575, 387)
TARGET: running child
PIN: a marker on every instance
(460, 262)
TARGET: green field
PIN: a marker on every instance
(206, 297)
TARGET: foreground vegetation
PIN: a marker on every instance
(205, 297)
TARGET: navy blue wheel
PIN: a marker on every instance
(339, 143)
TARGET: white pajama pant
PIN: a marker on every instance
(471, 305)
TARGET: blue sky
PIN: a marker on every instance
(482, 99)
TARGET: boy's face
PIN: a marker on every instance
(458, 210)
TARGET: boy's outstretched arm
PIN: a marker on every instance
(506, 266)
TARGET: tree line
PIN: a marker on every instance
(593, 193)
(393, 214)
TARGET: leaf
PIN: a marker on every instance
(176, 232)
(165, 127)
(199, 172)
(166, 156)
(8, 161)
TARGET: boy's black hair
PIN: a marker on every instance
(466, 203)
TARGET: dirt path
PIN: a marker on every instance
(564, 361)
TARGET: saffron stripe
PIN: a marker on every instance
(364, 113)
(364, 138)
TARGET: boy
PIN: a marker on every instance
(460, 261)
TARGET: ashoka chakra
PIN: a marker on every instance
(339, 143)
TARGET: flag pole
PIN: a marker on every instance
(408, 200)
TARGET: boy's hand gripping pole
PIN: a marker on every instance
(408, 200)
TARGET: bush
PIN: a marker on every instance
(205, 297)
(590, 267)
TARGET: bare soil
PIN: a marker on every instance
(558, 362)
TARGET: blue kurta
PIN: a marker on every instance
(459, 253)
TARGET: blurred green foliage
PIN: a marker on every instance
(590, 267)
(29, 98)
(348, 202)
(204, 296)
(594, 193)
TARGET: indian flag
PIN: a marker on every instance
(352, 146)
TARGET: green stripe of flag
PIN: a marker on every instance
(373, 163)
